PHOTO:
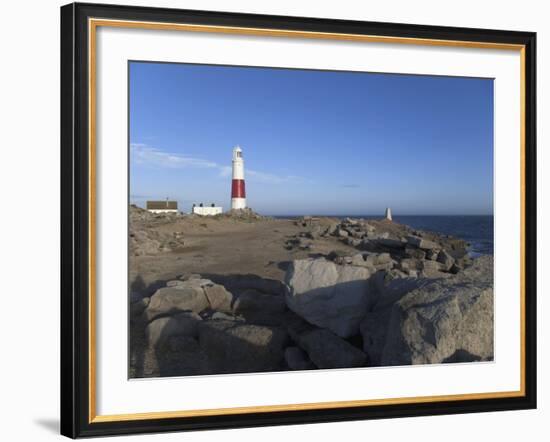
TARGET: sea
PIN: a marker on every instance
(477, 230)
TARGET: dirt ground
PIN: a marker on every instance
(226, 246)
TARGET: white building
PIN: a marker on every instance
(162, 206)
(206, 210)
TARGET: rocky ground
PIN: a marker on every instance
(240, 292)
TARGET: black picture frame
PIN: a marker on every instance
(75, 220)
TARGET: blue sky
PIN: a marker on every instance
(314, 142)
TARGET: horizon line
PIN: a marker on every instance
(358, 215)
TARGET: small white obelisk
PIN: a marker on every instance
(388, 214)
(238, 193)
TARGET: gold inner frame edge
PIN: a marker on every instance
(93, 24)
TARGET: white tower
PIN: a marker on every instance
(238, 193)
(388, 214)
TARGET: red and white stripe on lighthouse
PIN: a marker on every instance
(238, 193)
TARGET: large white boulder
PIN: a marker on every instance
(329, 295)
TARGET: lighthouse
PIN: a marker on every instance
(238, 194)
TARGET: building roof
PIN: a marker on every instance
(162, 205)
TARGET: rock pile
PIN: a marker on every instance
(196, 319)
(147, 241)
(409, 252)
(402, 320)
(247, 215)
(408, 296)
